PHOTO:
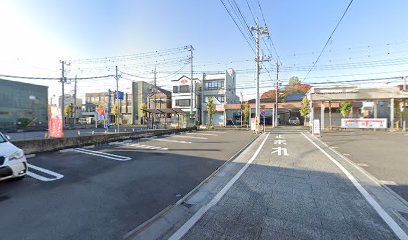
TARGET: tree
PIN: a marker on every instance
(143, 107)
(246, 113)
(294, 81)
(305, 108)
(115, 112)
(67, 111)
(211, 111)
(345, 108)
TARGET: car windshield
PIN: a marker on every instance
(2, 138)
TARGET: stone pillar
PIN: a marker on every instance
(392, 113)
(322, 116)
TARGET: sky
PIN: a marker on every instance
(370, 42)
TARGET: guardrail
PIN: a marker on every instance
(54, 144)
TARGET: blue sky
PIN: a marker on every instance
(40, 33)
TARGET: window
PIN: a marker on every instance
(216, 99)
(184, 89)
(183, 102)
(214, 85)
(175, 89)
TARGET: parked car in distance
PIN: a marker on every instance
(294, 121)
(13, 163)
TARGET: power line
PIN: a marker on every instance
(328, 40)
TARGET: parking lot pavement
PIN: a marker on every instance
(290, 189)
(383, 154)
(103, 192)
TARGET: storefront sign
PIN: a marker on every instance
(364, 123)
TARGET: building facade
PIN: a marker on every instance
(23, 105)
(107, 100)
(141, 91)
(186, 95)
(221, 88)
(159, 99)
(74, 104)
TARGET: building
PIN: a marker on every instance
(159, 99)
(107, 100)
(186, 95)
(222, 89)
(23, 105)
(141, 91)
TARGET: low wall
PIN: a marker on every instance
(54, 144)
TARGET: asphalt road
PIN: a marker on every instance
(382, 154)
(106, 191)
(289, 189)
(16, 136)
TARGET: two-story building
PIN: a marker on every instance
(187, 96)
(222, 89)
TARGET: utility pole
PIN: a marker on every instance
(192, 85)
(242, 100)
(117, 96)
(155, 87)
(259, 31)
(75, 98)
(63, 81)
(277, 95)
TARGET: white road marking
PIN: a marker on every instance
(189, 137)
(280, 136)
(102, 154)
(205, 134)
(166, 140)
(41, 178)
(279, 141)
(193, 220)
(362, 164)
(334, 147)
(217, 132)
(147, 146)
(383, 214)
(346, 154)
(280, 151)
(391, 183)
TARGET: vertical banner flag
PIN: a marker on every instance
(55, 128)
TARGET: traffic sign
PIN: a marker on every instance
(263, 113)
(119, 95)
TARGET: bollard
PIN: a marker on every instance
(93, 132)
(115, 130)
(79, 133)
(105, 132)
(133, 129)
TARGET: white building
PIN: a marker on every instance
(222, 89)
(181, 95)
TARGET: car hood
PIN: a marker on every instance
(7, 148)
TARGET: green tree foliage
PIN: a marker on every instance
(143, 107)
(345, 108)
(246, 112)
(305, 108)
(210, 110)
(115, 111)
(294, 81)
(67, 111)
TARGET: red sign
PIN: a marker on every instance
(55, 128)
(184, 81)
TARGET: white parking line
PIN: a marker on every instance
(205, 134)
(41, 178)
(102, 154)
(189, 137)
(217, 132)
(148, 147)
(165, 140)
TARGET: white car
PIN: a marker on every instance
(13, 163)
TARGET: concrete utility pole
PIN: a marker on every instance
(155, 87)
(277, 95)
(259, 31)
(117, 96)
(242, 100)
(75, 102)
(192, 85)
(63, 81)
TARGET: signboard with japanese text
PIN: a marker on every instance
(253, 124)
(55, 128)
(316, 127)
(364, 123)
